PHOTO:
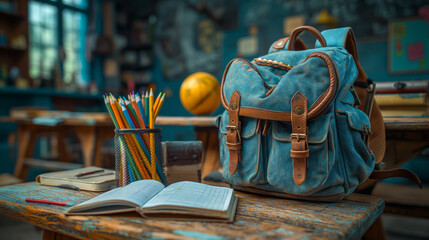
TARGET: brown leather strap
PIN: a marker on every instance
(265, 131)
(258, 126)
(299, 143)
(298, 30)
(233, 138)
(396, 172)
(280, 44)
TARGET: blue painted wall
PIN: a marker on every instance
(373, 57)
(268, 17)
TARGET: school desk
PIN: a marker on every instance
(92, 129)
(257, 217)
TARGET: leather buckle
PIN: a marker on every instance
(298, 136)
(229, 127)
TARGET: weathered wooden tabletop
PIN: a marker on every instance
(257, 217)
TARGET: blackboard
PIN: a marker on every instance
(367, 17)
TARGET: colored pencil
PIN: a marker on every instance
(142, 112)
(32, 200)
(146, 106)
(137, 110)
(155, 105)
(132, 114)
(109, 109)
(118, 108)
(159, 105)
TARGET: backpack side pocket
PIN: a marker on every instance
(353, 130)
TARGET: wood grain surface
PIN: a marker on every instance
(406, 123)
(257, 217)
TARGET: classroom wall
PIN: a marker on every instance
(264, 20)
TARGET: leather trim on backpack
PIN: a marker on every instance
(233, 138)
(280, 44)
(396, 172)
(298, 30)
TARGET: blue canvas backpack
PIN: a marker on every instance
(296, 121)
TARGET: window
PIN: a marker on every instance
(58, 30)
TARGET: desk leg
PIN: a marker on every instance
(49, 235)
(86, 135)
(60, 150)
(26, 141)
(376, 231)
(210, 161)
(102, 133)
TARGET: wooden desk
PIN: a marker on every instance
(92, 129)
(411, 123)
(257, 217)
(405, 139)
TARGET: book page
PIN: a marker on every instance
(193, 195)
(138, 192)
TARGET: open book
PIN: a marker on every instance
(181, 200)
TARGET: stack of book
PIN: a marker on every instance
(400, 99)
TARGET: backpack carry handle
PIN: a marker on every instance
(298, 30)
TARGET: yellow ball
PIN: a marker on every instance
(200, 93)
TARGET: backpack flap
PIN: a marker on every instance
(318, 85)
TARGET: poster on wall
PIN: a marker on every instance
(408, 46)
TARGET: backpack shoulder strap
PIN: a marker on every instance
(341, 37)
(345, 38)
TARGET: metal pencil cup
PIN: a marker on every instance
(138, 155)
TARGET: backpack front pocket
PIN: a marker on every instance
(320, 161)
(250, 169)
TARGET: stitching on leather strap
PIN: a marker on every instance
(299, 141)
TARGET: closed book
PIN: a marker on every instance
(418, 86)
(404, 111)
(89, 178)
(402, 99)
